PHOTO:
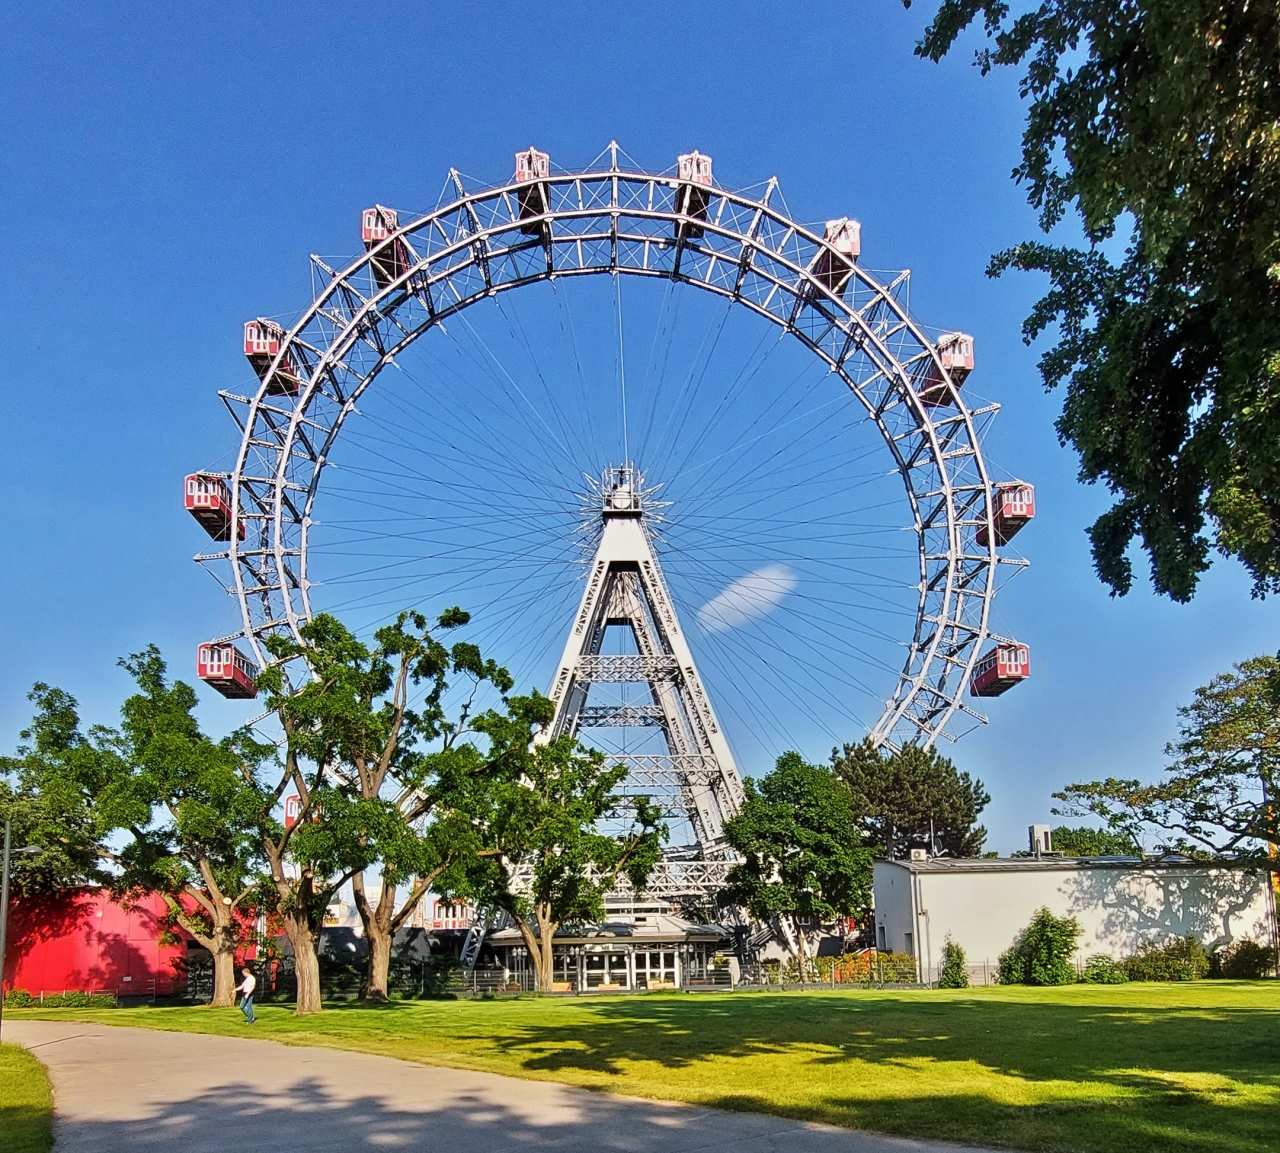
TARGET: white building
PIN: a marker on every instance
(1120, 902)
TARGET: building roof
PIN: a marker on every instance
(659, 928)
(1054, 863)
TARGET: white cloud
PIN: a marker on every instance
(750, 596)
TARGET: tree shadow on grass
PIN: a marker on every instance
(1050, 1076)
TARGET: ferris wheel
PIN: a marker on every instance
(421, 434)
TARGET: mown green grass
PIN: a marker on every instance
(26, 1103)
(1085, 1069)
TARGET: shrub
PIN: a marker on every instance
(1103, 970)
(954, 974)
(1041, 954)
(1181, 959)
(1242, 960)
(21, 999)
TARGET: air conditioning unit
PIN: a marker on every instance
(1041, 840)
(919, 854)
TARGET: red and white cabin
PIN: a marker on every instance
(208, 499)
(262, 340)
(692, 196)
(834, 263)
(694, 168)
(532, 165)
(532, 168)
(1002, 668)
(224, 667)
(955, 350)
(292, 810)
(1015, 504)
(377, 226)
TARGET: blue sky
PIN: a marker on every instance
(166, 174)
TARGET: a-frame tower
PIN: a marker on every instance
(695, 778)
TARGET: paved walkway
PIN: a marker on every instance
(118, 1090)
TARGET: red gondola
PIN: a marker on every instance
(693, 195)
(225, 668)
(1002, 668)
(1015, 504)
(377, 226)
(955, 350)
(208, 499)
(292, 809)
(262, 339)
(835, 260)
(532, 169)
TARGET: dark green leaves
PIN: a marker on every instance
(802, 852)
(915, 797)
(1158, 122)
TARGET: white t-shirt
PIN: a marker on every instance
(250, 983)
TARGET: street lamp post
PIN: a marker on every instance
(4, 907)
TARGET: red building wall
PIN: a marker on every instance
(82, 940)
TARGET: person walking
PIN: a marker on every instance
(246, 987)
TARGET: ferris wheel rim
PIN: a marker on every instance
(937, 667)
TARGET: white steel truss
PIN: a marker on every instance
(615, 220)
(696, 779)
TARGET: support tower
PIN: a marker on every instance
(694, 779)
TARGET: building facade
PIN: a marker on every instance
(1120, 902)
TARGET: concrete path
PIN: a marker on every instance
(118, 1090)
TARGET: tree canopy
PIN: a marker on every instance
(802, 856)
(1217, 795)
(1158, 123)
(912, 798)
(546, 859)
(1087, 842)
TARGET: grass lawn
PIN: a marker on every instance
(1112, 1069)
(26, 1104)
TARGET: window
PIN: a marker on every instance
(911, 945)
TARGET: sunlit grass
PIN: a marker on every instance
(1083, 1068)
(26, 1104)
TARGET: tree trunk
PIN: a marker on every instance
(224, 960)
(541, 946)
(224, 979)
(306, 964)
(377, 934)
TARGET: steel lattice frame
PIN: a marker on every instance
(611, 220)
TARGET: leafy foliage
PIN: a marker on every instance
(1086, 842)
(1181, 959)
(1216, 795)
(953, 974)
(802, 854)
(545, 859)
(903, 799)
(1243, 960)
(1160, 118)
(21, 999)
(1101, 969)
(1041, 954)
(48, 790)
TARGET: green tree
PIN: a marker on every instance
(381, 708)
(913, 797)
(1218, 793)
(188, 812)
(953, 974)
(47, 792)
(152, 807)
(1158, 122)
(1086, 842)
(802, 856)
(545, 860)
(1041, 954)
